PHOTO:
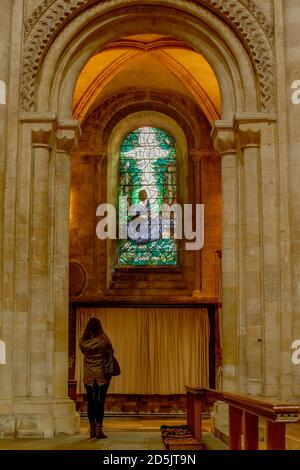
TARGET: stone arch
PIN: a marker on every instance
(128, 123)
(245, 20)
(188, 116)
(98, 129)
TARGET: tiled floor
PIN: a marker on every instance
(123, 434)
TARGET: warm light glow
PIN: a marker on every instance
(148, 62)
(72, 207)
(201, 71)
(96, 65)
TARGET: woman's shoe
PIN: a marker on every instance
(99, 433)
(92, 430)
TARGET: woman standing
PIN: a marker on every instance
(96, 347)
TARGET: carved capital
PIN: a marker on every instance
(249, 136)
(224, 138)
(43, 134)
(248, 127)
(196, 155)
(42, 127)
(67, 137)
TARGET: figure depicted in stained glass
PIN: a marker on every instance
(139, 228)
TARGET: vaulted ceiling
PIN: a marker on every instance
(147, 62)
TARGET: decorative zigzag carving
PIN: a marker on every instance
(243, 16)
(31, 21)
(250, 4)
(260, 17)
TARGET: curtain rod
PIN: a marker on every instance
(132, 305)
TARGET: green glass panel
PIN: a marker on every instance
(148, 163)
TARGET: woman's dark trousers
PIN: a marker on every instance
(96, 395)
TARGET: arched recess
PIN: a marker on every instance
(204, 32)
(247, 22)
(97, 129)
(236, 40)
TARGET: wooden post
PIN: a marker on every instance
(235, 428)
(189, 410)
(251, 431)
(72, 389)
(275, 436)
(192, 408)
(198, 417)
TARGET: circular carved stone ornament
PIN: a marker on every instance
(77, 279)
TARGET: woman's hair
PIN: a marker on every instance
(92, 329)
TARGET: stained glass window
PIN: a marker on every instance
(148, 181)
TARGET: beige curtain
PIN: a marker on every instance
(160, 350)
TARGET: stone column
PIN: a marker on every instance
(66, 142)
(249, 143)
(272, 252)
(225, 144)
(40, 327)
(40, 405)
(196, 156)
(5, 28)
(11, 23)
(261, 253)
(286, 16)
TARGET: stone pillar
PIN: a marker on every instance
(288, 64)
(249, 143)
(271, 250)
(196, 156)
(5, 28)
(66, 142)
(39, 405)
(8, 45)
(40, 327)
(5, 25)
(225, 144)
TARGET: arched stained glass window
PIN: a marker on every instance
(148, 181)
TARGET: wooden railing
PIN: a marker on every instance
(277, 415)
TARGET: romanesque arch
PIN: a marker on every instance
(243, 17)
(237, 41)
